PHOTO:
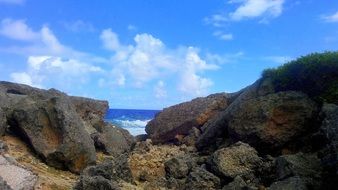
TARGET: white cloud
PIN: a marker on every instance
(110, 40)
(264, 10)
(159, 90)
(223, 36)
(23, 78)
(149, 59)
(17, 2)
(17, 30)
(49, 39)
(331, 18)
(257, 8)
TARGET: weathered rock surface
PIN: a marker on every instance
(238, 184)
(289, 184)
(271, 121)
(304, 166)
(3, 122)
(177, 167)
(178, 120)
(13, 176)
(112, 140)
(96, 183)
(200, 178)
(238, 160)
(53, 129)
(215, 130)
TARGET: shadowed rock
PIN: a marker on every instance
(3, 122)
(175, 122)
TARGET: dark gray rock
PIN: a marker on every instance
(55, 132)
(200, 178)
(289, 184)
(95, 183)
(239, 184)
(3, 147)
(305, 166)
(112, 140)
(3, 122)
(239, 159)
(177, 167)
(176, 121)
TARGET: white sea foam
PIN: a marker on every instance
(132, 123)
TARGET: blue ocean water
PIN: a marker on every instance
(131, 119)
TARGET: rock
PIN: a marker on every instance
(329, 129)
(141, 138)
(3, 185)
(176, 167)
(95, 183)
(289, 184)
(200, 178)
(238, 184)
(178, 120)
(3, 147)
(305, 166)
(112, 140)
(14, 176)
(55, 132)
(271, 121)
(238, 160)
(3, 122)
(215, 130)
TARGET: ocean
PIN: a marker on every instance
(131, 119)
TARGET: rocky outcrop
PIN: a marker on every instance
(13, 176)
(239, 159)
(3, 122)
(200, 178)
(265, 122)
(53, 129)
(270, 121)
(174, 123)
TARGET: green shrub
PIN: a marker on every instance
(315, 74)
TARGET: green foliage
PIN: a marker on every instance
(315, 74)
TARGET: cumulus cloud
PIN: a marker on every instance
(223, 36)
(159, 90)
(331, 18)
(149, 59)
(23, 78)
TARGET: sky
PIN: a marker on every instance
(151, 54)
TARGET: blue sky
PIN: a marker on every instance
(151, 54)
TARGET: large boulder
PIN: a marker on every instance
(273, 120)
(55, 132)
(239, 159)
(215, 130)
(176, 121)
(112, 140)
(3, 122)
(289, 184)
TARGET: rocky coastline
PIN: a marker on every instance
(274, 134)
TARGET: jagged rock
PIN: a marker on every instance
(112, 140)
(14, 176)
(305, 166)
(289, 184)
(55, 132)
(95, 183)
(270, 121)
(238, 184)
(215, 130)
(3, 122)
(238, 160)
(3, 147)
(200, 178)
(177, 167)
(176, 121)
